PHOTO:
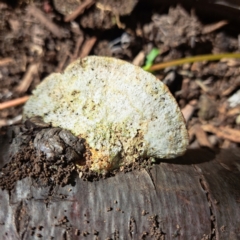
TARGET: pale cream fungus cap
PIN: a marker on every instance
(121, 110)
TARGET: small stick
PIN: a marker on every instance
(213, 27)
(229, 90)
(223, 132)
(87, 47)
(27, 78)
(233, 111)
(5, 61)
(62, 63)
(138, 60)
(189, 109)
(79, 10)
(202, 85)
(13, 103)
(4, 122)
(78, 46)
(39, 15)
(202, 137)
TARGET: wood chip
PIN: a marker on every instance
(222, 108)
(231, 62)
(213, 27)
(77, 48)
(229, 90)
(223, 132)
(62, 63)
(226, 144)
(13, 103)
(27, 78)
(87, 47)
(191, 133)
(5, 61)
(185, 88)
(189, 109)
(79, 10)
(7, 122)
(201, 136)
(233, 111)
(194, 145)
(40, 16)
(202, 86)
(138, 60)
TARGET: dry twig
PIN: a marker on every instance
(40, 16)
(28, 78)
(62, 63)
(231, 88)
(5, 61)
(233, 111)
(77, 48)
(189, 109)
(79, 10)
(7, 122)
(223, 132)
(201, 136)
(191, 133)
(213, 27)
(13, 103)
(202, 85)
(87, 47)
(138, 60)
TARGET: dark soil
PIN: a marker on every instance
(38, 41)
(45, 154)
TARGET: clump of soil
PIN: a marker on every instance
(45, 153)
(28, 164)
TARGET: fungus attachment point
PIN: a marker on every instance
(123, 112)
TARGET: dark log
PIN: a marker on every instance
(196, 196)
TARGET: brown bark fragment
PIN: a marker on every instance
(187, 197)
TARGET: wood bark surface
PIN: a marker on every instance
(196, 196)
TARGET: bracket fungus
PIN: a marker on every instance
(123, 112)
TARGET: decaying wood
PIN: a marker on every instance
(13, 103)
(195, 196)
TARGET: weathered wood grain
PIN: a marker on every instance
(192, 197)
